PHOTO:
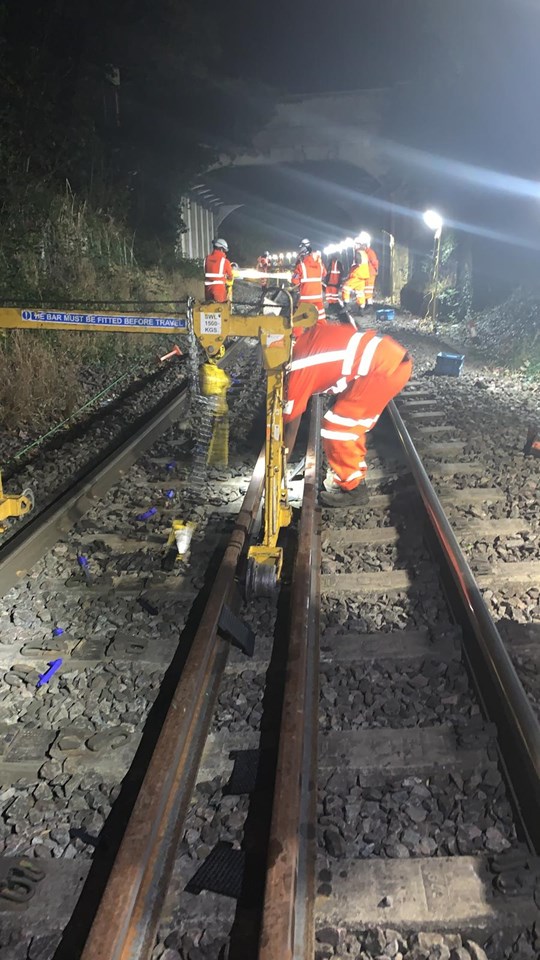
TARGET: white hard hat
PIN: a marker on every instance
(305, 246)
(363, 239)
(220, 244)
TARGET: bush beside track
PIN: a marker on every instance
(507, 334)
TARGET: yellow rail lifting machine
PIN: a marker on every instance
(212, 324)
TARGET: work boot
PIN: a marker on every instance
(344, 498)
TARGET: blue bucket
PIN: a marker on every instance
(449, 364)
(386, 313)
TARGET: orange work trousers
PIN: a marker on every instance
(354, 414)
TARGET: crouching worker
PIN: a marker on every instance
(365, 372)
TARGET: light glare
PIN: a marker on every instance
(433, 220)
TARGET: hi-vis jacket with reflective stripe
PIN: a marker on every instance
(334, 275)
(373, 261)
(217, 269)
(329, 358)
(359, 269)
(309, 274)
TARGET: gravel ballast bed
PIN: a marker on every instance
(411, 817)
(408, 695)
(388, 944)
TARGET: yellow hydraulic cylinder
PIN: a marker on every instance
(215, 383)
(267, 557)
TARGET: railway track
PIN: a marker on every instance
(70, 751)
(377, 752)
(30, 538)
(71, 452)
(456, 774)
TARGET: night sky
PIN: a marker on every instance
(309, 47)
(473, 75)
(461, 128)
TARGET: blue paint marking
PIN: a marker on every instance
(101, 320)
(83, 563)
(57, 632)
(149, 513)
(54, 665)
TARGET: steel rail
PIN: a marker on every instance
(127, 918)
(287, 928)
(501, 692)
(43, 530)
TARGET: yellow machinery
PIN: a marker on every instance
(212, 324)
(14, 505)
(215, 383)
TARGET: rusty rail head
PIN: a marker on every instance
(125, 924)
(499, 687)
(287, 921)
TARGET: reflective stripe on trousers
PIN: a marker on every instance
(355, 412)
(338, 435)
(367, 422)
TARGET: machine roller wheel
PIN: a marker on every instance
(29, 501)
(261, 580)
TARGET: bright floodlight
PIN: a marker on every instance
(364, 237)
(433, 220)
(328, 250)
(349, 242)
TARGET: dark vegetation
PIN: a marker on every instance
(121, 105)
(109, 112)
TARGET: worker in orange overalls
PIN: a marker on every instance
(334, 278)
(308, 275)
(373, 267)
(263, 265)
(354, 287)
(364, 371)
(218, 273)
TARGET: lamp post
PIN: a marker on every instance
(434, 221)
(348, 244)
(391, 265)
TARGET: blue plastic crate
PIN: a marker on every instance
(386, 313)
(449, 364)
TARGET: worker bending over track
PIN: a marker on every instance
(365, 371)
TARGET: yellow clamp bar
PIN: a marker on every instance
(29, 318)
